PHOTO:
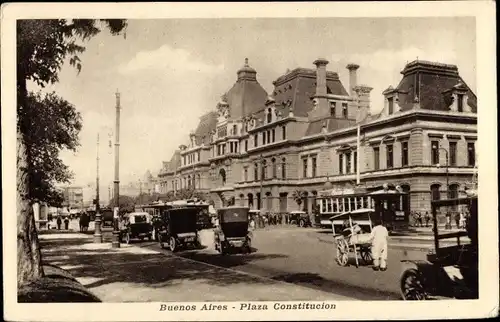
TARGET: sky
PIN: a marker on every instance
(171, 71)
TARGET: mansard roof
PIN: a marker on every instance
(208, 123)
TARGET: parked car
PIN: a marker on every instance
(178, 228)
(232, 232)
(135, 225)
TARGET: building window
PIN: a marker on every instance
(283, 132)
(453, 153)
(246, 145)
(435, 152)
(314, 165)
(222, 174)
(355, 161)
(256, 140)
(273, 160)
(268, 137)
(333, 105)
(460, 102)
(344, 110)
(304, 167)
(283, 168)
(235, 129)
(390, 156)
(471, 154)
(348, 165)
(223, 149)
(273, 131)
(404, 153)
(269, 115)
(245, 174)
(435, 193)
(376, 158)
(263, 138)
(391, 105)
(453, 191)
(341, 163)
(256, 172)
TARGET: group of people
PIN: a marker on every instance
(419, 219)
(460, 219)
(59, 222)
(84, 222)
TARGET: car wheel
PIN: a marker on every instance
(172, 244)
(412, 288)
(160, 240)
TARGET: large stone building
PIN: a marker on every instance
(306, 132)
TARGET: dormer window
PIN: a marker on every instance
(269, 115)
(333, 106)
(390, 100)
(460, 102)
(344, 110)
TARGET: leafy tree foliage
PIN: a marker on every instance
(56, 127)
(43, 46)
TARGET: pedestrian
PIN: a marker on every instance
(457, 220)
(419, 219)
(427, 218)
(252, 224)
(59, 222)
(379, 239)
(66, 223)
(462, 220)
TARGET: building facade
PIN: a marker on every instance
(73, 197)
(263, 149)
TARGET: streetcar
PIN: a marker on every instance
(388, 201)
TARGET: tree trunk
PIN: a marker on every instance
(29, 265)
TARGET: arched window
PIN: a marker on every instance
(283, 168)
(222, 174)
(269, 201)
(199, 181)
(453, 194)
(269, 115)
(264, 169)
(273, 161)
(256, 172)
(250, 200)
(406, 197)
(435, 193)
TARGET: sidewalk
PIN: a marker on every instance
(135, 274)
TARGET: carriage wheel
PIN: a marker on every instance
(366, 255)
(342, 253)
(412, 288)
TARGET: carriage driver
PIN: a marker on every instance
(379, 237)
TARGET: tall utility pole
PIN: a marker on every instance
(358, 156)
(261, 198)
(97, 230)
(116, 234)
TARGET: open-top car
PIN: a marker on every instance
(450, 271)
(135, 225)
(178, 228)
(232, 232)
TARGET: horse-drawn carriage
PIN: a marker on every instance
(352, 233)
(448, 272)
(232, 232)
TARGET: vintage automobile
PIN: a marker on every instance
(232, 232)
(300, 218)
(448, 272)
(135, 225)
(178, 228)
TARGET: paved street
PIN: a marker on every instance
(282, 254)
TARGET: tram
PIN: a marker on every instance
(388, 202)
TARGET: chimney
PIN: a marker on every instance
(320, 76)
(321, 108)
(363, 94)
(353, 77)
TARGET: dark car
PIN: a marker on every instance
(232, 232)
(178, 228)
(135, 225)
(300, 218)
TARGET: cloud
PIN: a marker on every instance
(167, 58)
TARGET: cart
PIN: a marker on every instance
(448, 272)
(352, 234)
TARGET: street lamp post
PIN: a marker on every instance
(448, 215)
(116, 234)
(97, 223)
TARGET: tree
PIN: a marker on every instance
(299, 195)
(42, 48)
(56, 127)
(125, 203)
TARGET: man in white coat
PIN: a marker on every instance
(379, 239)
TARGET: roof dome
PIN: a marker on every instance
(247, 72)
